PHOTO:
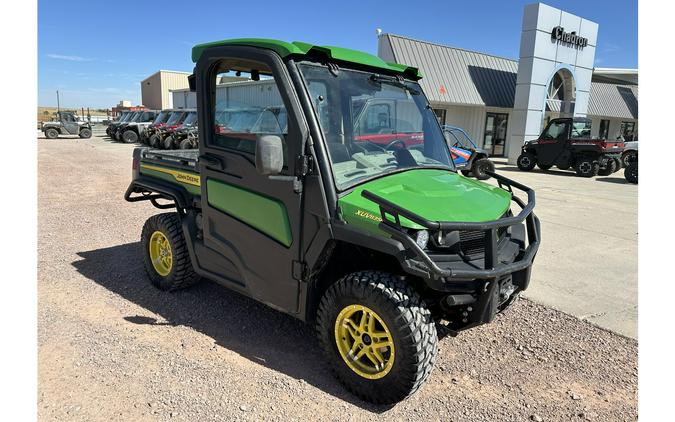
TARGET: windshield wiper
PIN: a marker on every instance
(395, 81)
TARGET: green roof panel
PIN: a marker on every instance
(298, 48)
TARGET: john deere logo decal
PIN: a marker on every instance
(187, 178)
(180, 176)
(368, 215)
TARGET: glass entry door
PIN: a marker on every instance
(494, 140)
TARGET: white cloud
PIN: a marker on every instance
(69, 58)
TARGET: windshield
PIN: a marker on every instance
(161, 117)
(125, 117)
(175, 117)
(374, 125)
(136, 117)
(457, 138)
(191, 118)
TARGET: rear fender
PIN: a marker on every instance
(152, 190)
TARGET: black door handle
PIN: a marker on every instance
(211, 161)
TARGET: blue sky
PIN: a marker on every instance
(96, 53)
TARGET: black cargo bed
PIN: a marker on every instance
(181, 158)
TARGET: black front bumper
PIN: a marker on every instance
(472, 289)
(503, 253)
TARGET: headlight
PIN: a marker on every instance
(422, 238)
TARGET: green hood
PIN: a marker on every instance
(436, 195)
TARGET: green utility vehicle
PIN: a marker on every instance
(377, 244)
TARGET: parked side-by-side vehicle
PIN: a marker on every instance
(567, 143)
(152, 128)
(130, 131)
(162, 131)
(124, 117)
(379, 242)
(66, 123)
(468, 158)
(175, 136)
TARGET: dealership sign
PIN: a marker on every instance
(558, 34)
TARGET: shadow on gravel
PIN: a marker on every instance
(537, 170)
(617, 180)
(235, 322)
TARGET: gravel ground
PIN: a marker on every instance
(112, 347)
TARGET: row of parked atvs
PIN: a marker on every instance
(165, 129)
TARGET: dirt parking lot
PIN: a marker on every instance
(587, 263)
(112, 347)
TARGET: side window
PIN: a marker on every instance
(581, 130)
(68, 118)
(247, 104)
(556, 130)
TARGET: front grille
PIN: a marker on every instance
(472, 242)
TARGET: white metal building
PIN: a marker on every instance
(155, 89)
(502, 102)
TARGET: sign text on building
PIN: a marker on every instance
(558, 34)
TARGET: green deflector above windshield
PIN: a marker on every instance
(297, 48)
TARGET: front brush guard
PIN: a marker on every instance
(391, 223)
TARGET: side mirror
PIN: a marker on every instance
(269, 154)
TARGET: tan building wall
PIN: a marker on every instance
(155, 89)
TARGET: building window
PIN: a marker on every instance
(604, 129)
(440, 115)
(628, 130)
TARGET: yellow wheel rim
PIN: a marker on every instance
(364, 341)
(160, 253)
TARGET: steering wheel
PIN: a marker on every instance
(394, 142)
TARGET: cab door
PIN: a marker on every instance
(251, 222)
(553, 143)
(69, 124)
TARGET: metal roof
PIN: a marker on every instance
(453, 75)
(611, 100)
(463, 77)
(615, 75)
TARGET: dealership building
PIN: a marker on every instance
(502, 102)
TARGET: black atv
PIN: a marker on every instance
(567, 143)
